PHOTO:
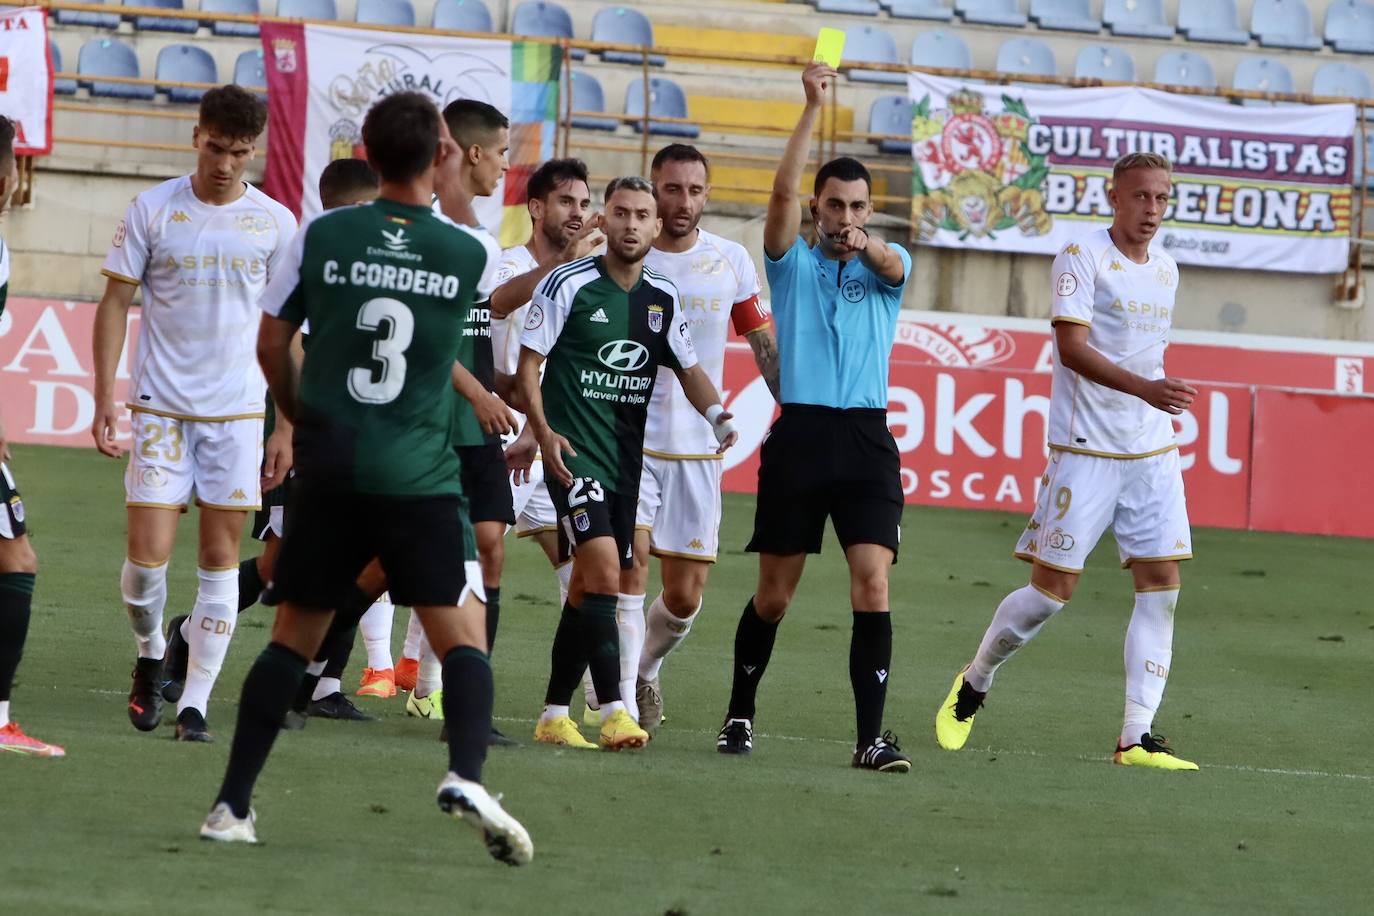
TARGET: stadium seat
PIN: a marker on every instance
(163, 23)
(1211, 20)
(385, 12)
(1342, 80)
(918, 9)
(110, 57)
(541, 19)
(588, 96)
(939, 48)
(241, 7)
(307, 9)
(1026, 55)
(1261, 74)
(623, 26)
(249, 70)
(891, 114)
(852, 7)
(666, 100)
(1350, 26)
(1363, 152)
(1184, 68)
(866, 44)
(1065, 15)
(60, 85)
(1137, 18)
(1105, 62)
(75, 17)
(185, 64)
(462, 16)
(1283, 24)
(991, 12)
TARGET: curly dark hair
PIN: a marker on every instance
(232, 111)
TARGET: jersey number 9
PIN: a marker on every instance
(389, 351)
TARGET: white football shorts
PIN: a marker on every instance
(534, 510)
(219, 460)
(679, 504)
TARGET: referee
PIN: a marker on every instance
(830, 454)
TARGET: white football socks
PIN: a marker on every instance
(552, 712)
(564, 575)
(415, 635)
(144, 589)
(662, 634)
(629, 620)
(328, 686)
(315, 669)
(430, 677)
(1019, 617)
(211, 628)
(4, 713)
(376, 627)
(1149, 653)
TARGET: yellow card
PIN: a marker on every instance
(829, 47)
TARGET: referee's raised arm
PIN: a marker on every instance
(784, 205)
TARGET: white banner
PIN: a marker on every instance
(26, 79)
(1006, 168)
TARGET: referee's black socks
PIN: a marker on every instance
(267, 693)
(870, 658)
(567, 660)
(468, 696)
(754, 639)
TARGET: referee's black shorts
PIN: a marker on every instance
(824, 462)
(486, 483)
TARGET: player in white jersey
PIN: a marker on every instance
(678, 518)
(1113, 461)
(202, 248)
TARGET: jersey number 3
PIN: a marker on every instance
(388, 351)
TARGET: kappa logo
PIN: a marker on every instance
(1116, 265)
(1033, 525)
(599, 317)
(237, 494)
(695, 544)
(1179, 545)
(1071, 248)
(179, 216)
(396, 241)
(623, 355)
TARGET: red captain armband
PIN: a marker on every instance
(749, 315)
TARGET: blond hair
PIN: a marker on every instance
(1140, 161)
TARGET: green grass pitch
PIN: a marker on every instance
(1270, 693)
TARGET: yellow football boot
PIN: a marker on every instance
(563, 732)
(954, 718)
(427, 707)
(1152, 751)
(591, 718)
(619, 732)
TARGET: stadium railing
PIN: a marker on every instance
(722, 141)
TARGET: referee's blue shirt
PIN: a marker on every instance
(835, 324)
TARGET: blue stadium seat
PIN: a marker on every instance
(99, 20)
(588, 96)
(541, 19)
(666, 100)
(1363, 155)
(1026, 55)
(1211, 20)
(1105, 62)
(1065, 15)
(891, 114)
(110, 57)
(60, 85)
(1283, 24)
(1350, 26)
(991, 12)
(866, 44)
(1137, 18)
(939, 48)
(241, 7)
(462, 16)
(385, 12)
(1261, 74)
(163, 23)
(1342, 80)
(185, 64)
(1184, 68)
(249, 70)
(307, 9)
(919, 9)
(852, 7)
(623, 26)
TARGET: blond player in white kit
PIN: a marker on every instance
(202, 248)
(1113, 461)
(679, 490)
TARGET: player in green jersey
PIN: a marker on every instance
(604, 324)
(385, 288)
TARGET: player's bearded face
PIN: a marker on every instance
(1139, 199)
(221, 160)
(682, 189)
(631, 222)
(840, 205)
(563, 212)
